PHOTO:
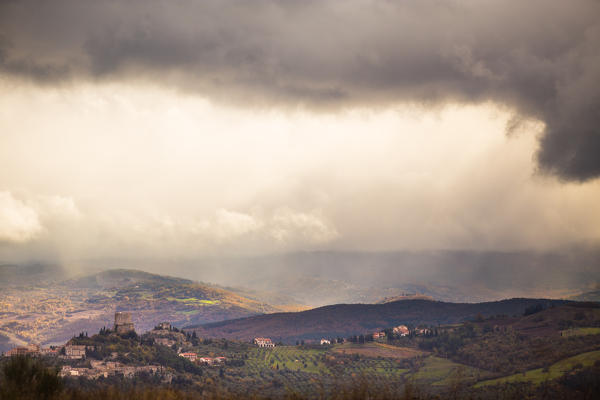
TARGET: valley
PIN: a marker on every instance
(52, 313)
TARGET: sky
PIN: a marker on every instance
(182, 129)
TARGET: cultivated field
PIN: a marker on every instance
(374, 350)
(556, 370)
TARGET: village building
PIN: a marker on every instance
(378, 335)
(166, 326)
(211, 360)
(422, 331)
(263, 342)
(74, 352)
(401, 330)
(106, 368)
(29, 350)
(17, 351)
(325, 341)
(123, 323)
(164, 341)
(67, 370)
(47, 351)
(190, 356)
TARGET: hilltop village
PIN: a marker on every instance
(83, 357)
(104, 355)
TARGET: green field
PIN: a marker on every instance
(442, 372)
(193, 301)
(304, 369)
(191, 312)
(556, 370)
(580, 332)
(286, 358)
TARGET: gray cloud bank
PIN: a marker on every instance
(539, 57)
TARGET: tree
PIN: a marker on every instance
(533, 309)
(25, 378)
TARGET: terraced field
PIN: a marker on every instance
(287, 358)
(321, 363)
(306, 369)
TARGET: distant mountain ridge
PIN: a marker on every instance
(405, 297)
(320, 278)
(122, 277)
(351, 319)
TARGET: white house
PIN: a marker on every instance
(401, 330)
(263, 342)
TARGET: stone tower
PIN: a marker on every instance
(123, 322)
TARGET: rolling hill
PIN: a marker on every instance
(351, 319)
(43, 312)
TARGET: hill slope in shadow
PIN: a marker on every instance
(352, 319)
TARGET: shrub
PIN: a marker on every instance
(25, 378)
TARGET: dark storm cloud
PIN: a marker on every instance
(540, 57)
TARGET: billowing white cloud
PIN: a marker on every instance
(18, 222)
(136, 171)
(58, 207)
(289, 226)
(231, 224)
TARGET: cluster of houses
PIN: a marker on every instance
(31, 350)
(401, 330)
(162, 335)
(68, 351)
(96, 369)
(397, 331)
(193, 357)
(107, 368)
